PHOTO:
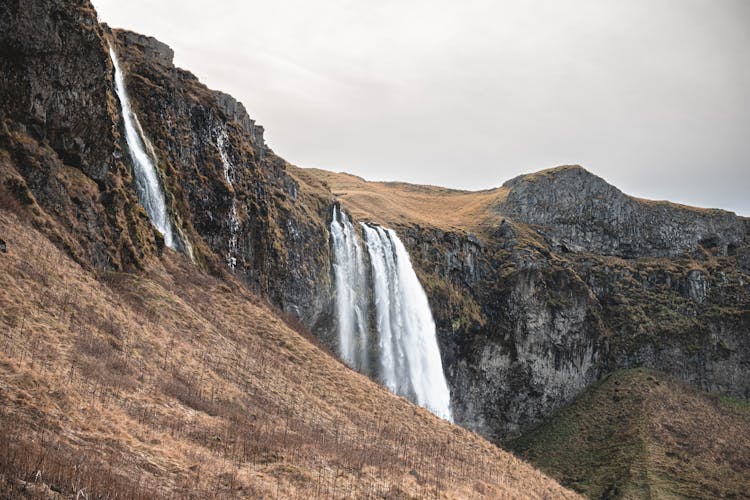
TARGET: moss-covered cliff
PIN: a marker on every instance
(63, 159)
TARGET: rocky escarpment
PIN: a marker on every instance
(63, 159)
(521, 336)
(527, 319)
(578, 211)
(231, 189)
(525, 323)
(235, 110)
(60, 157)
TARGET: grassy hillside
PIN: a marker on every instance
(398, 203)
(640, 434)
(174, 383)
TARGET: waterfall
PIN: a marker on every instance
(409, 355)
(409, 362)
(351, 292)
(146, 180)
(234, 221)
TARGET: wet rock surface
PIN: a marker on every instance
(282, 245)
(60, 155)
(63, 159)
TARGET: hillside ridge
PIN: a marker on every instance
(173, 382)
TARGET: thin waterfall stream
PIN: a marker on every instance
(149, 190)
(234, 221)
(351, 293)
(405, 341)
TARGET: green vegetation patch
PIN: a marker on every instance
(640, 434)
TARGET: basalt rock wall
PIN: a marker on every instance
(64, 162)
(526, 322)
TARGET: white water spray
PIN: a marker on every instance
(410, 358)
(234, 221)
(146, 180)
(351, 292)
(409, 362)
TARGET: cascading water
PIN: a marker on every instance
(351, 292)
(410, 358)
(234, 221)
(409, 362)
(146, 180)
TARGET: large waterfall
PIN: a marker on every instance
(146, 180)
(351, 292)
(408, 358)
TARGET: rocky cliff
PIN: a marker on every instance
(580, 212)
(235, 197)
(60, 153)
(62, 159)
(542, 288)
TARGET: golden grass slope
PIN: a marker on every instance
(173, 383)
(401, 204)
(398, 203)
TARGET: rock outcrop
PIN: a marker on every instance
(531, 315)
(535, 306)
(224, 180)
(578, 211)
(62, 157)
(235, 111)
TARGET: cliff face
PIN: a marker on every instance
(580, 212)
(527, 323)
(520, 336)
(233, 195)
(60, 155)
(547, 288)
(63, 159)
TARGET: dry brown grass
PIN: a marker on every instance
(402, 204)
(396, 203)
(173, 383)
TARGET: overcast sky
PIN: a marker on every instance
(652, 95)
